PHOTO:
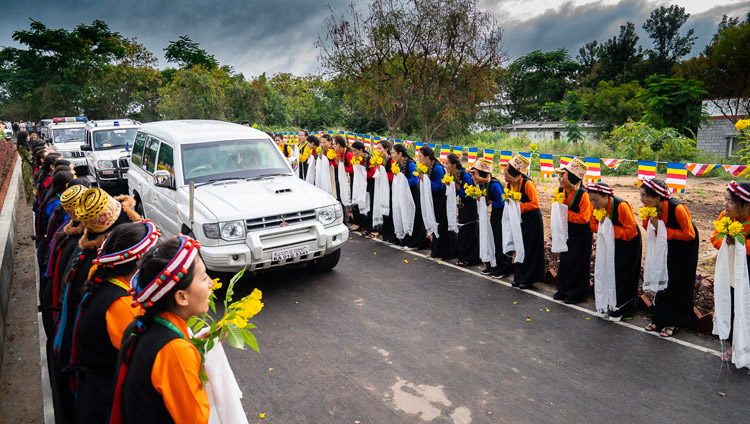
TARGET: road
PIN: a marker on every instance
(389, 337)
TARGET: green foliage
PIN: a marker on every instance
(633, 138)
(663, 26)
(195, 93)
(673, 103)
(571, 110)
(186, 53)
(611, 105)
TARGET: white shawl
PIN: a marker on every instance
(486, 237)
(382, 203)
(403, 207)
(604, 271)
(512, 235)
(428, 211)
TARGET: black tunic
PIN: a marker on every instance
(444, 246)
(674, 305)
(627, 266)
(467, 240)
(532, 269)
(574, 275)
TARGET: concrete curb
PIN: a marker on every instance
(8, 237)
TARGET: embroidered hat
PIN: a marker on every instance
(738, 191)
(69, 199)
(576, 167)
(132, 253)
(98, 210)
(600, 188)
(661, 191)
(146, 293)
(520, 163)
(484, 165)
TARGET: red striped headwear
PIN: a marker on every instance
(132, 253)
(600, 189)
(661, 191)
(740, 192)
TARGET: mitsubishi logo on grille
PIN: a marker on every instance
(283, 223)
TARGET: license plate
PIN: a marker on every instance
(290, 253)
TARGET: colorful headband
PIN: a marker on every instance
(600, 188)
(169, 276)
(740, 192)
(661, 191)
(132, 253)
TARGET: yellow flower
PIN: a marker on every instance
(421, 168)
(742, 124)
(331, 154)
(447, 179)
(217, 284)
(600, 214)
(395, 169)
(512, 195)
(559, 196)
(734, 228)
(356, 160)
(647, 212)
(472, 191)
(720, 227)
(319, 150)
(376, 159)
(533, 147)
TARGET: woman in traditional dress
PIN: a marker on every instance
(363, 221)
(628, 247)
(104, 313)
(674, 305)
(482, 174)
(467, 239)
(158, 377)
(387, 232)
(444, 242)
(737, 208)
(407, 165)
(574, 274)
(531, 270)
(344, 158)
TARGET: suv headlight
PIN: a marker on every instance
(67, 154)
(229, 231)
(104, 164)
(339, 210)
(325, 215)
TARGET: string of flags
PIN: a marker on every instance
(676, 177)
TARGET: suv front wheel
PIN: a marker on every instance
(326, 263)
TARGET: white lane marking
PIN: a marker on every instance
(549, 298)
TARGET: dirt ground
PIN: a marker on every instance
(20, 382)
(704, 199)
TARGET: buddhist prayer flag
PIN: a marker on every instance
(459, 150)
(366, 139)
(612, 163)
(351, 138)
(419, 144)
(564, 160)
(397, 141)
(431, 146)
(699, 169)
(473, 151)
(547, 166)
(408, 143)
(736, 170)
(676, 177)
(594, 171)
(646, 170)
(444, 152)
(489, 154)
(505, 155)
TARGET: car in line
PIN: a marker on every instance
(106, 146)
(66, 135)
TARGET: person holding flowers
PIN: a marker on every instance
(574, 274)
(103, 314)
(674, 305)
(344, 175)
(158, 368)
(520, 189)
(467, 239)
(494, 194)
(444, 242)
(407, 166)
(627, 246)
(731, 291)
(363, 216)
(384, 149)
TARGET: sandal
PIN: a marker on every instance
(727, 356)
(667, 331)
(650, 327)
(354, 227)
(460, 263)
(370, 236)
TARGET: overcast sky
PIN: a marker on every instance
(256, 36)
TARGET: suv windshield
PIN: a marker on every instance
(113, 139)
(215, 160)
(67, 135)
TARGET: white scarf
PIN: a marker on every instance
(731, 271)
(655, 273)
(428, 211)
(343, 177)
(486, 237)
(559, 227)
(323, 175)
(604, 272)
(360, 196)
(310, 177)
(512, 235)
(403, 207)
(382, 203)
(450, 207)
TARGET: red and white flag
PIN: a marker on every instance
(612, 163)
(699, 169)
(736, 170)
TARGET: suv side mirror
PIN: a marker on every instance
(85, 148)
(163, 179)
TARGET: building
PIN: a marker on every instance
(718, 135)
(552, 130)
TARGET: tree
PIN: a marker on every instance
(620, 55)
(186, 53)
(633, 137)
(673, 103)
(536, 79)
(610, 105)
(663, 27)
(572, 110)
(195, 93)
(244, 100)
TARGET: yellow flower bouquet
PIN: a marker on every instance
(331, 154)
(558, 196)
(356, 160)
(727, 227)
(232, 326)
(376, 159)
(648, 212)
(421, 169)
(512, 195)
(600, 214)
(395, 169)
(447, 179)
(742, 124)
(472, 191)
(319, 151)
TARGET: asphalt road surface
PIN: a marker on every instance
(380, 340)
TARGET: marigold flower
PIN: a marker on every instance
(395, 169)
(447, 179)
(600, 214)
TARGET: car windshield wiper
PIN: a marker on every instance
(259, 177)
(216, 180)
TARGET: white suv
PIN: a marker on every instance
(107, 148)
(67, 136)
(247, 207)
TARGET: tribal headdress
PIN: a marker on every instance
(69, 199)
(576, 167)
(116, 258)
(600, 188)
(98, 210)
(738, 191)
(661, 191)
(146, 293)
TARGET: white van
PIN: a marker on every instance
(67, 136)
(230, 187)
(107, 149)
